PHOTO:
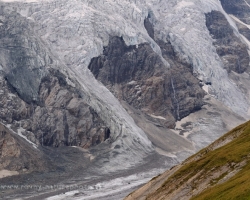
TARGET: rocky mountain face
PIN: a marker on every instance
(118, 86)
(239, 9)
(229, 47)
(216, 172)
(138, 76)
(18, 155)
(38, 98)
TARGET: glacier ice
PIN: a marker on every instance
(77, 31)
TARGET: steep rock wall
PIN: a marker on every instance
(232, 51)
(137, 75)
(38, 98)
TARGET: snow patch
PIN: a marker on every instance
(238, 20)
(247, 3)
(5, 173)
(205, 88)
(19, 132)
(132, 83)
(184, 4)
(11, 95)
(158, 117)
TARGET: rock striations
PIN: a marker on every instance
(138, 76)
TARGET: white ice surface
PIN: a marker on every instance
(158, 117)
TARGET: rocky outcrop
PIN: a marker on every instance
(244, 30)
(137, 75)
(232, 51)
(39, 98)
(70, 107)
(17, 154)
(62, 118)
(9, 147)
(239, 8)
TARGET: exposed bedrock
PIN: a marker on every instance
(62, 118)
(55, 106)
(36, 97)
(238, 8)
(137, 75)
(16, 154)
(243, 29)
(233, 52)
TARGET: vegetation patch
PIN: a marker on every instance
(209, 161)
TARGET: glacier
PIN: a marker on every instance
(78, 30)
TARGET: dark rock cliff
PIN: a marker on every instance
(244, 30)
(241, 10)
(16, 154)
(37, 97)
(137, 75)
(232, 51)
(238, 8)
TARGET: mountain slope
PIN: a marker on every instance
(220, 171)
(146, 58)
(132, 85)
(16, 154)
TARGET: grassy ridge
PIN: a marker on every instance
(207, 161)
(237, 187)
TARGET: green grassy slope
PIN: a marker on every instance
(237, 187)
(233, 156)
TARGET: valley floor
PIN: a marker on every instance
(84, 183)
